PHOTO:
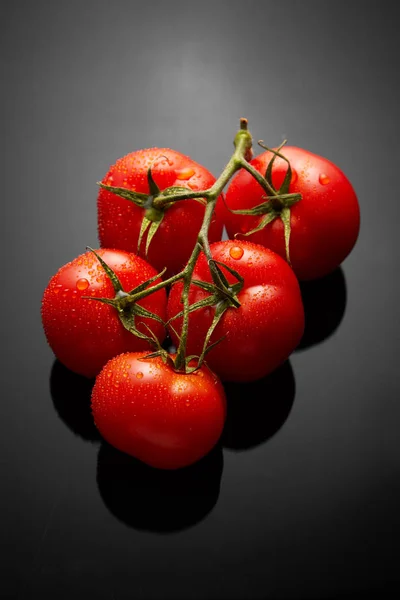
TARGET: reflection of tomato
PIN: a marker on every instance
(324, 224)
(119, 220)
(85, 334)
(260, 334)
(158, 500)
(164, 418)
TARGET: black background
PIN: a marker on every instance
(302, 498)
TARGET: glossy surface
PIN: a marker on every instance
(119, 221)
(85, 333)
(259, 335)
(324, 224)
(301, 500)
(168, 420)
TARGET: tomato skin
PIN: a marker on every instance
(166, 419)
(119, 220)
(85, 334)
(263, 331)
(324, 224)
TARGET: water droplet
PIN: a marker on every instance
(236, 252)
(57, 288)
(324, 179)
(139, 375)
(184, 174)
(82, 284)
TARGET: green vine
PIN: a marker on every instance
(221, 294)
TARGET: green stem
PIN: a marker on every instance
(243, 143)
(259, 178)
(180, 362)
(161, 201)
(243, 147)
(154, 288)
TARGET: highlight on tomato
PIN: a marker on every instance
(166, 419)
(89, 314)
(260, 311)
(165, 236)
(321, 228)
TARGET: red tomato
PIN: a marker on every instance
(263, 331)
(85, 334)
(324, 224)
(166, 419)
(119, 220)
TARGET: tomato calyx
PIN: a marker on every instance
(276, 205)
(222, 296)
(154, 204)
(125, 303)
(152, 218)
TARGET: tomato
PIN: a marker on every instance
(260, 334)
(166, 419)
(119, 220)
(84, 334)
(324, 224)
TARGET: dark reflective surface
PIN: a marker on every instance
(155, 500)
(324, 307)
(257, 410)
(307, 504)
(71, 398)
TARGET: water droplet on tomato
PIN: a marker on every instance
(236, 252)
(82, 284)
(324, 179)
(57, 288)
(184, 174)
(139, 375)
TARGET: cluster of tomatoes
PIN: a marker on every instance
(102, 319)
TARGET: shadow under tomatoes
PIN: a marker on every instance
(71, 394)
(324, 303)
(257, 410)
(158, 500)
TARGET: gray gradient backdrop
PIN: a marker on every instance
(309, 512)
